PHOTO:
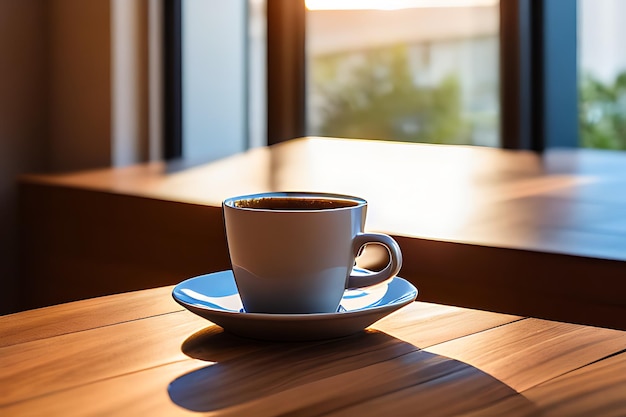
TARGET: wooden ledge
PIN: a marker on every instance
(511, 231)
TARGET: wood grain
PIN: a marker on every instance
(136, 357)
(427, 324)
(82, 315)
(358, 391)
(135, 394)
(301, 378)
(44, 366)
(529, 352)
(467, 388)
(595, 390)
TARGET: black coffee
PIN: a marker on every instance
(284, 203)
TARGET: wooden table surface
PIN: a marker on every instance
(541, 235)
(140, 354)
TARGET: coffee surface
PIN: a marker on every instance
(292, 203)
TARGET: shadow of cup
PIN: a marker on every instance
(365, 374)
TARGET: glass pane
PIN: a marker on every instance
(214, 78)
(425, 71)
(602, 73)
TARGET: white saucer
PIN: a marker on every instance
(215, 298)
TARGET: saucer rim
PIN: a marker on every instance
(411, 295)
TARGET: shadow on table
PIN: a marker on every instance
(364, 374)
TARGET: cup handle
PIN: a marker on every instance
(393, 267)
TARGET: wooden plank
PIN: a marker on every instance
(254, 384)
(56, 363)
(526, 353)
(235, 371)
(594, 390)
(56, 320)
(176, 363)
(52, 368)
(416, 379)
(135, 394)
(598, 389)
(426, 324)
(303, 379)
(467, 388)
(373, 390)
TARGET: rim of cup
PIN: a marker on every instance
(356, 201)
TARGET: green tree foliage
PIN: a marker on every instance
(603, 113)
(373, 95)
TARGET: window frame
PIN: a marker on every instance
(538, 74)
(172, 80)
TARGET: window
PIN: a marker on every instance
(538, 101)
(481, 72)
(207, 78)
(602, 74)
(427, 71)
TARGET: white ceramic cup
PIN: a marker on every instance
(293, 253)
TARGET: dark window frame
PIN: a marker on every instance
(538, 74)
(286, 70)
(172, 80)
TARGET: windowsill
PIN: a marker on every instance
(503, 230)
(560, 203)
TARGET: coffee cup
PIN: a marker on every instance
(294, 252)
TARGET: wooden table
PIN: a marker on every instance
(140, 354)
(541, 235)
